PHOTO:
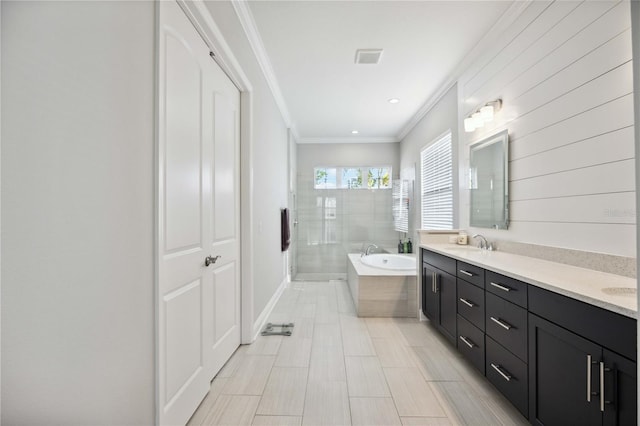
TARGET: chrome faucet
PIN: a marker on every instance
(368, 250)
(484, 245)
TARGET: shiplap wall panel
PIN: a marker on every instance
(546, 20)
(598, 238)
(583, 41)
(597, 63)
(476, 69)
(562, 33)
(599, 179)
(576, 155)
(577, 209)
(596, 92)
(564, 73)
(619, 113)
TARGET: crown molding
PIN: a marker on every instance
(480, 49)
(245, 16)
(354, 139)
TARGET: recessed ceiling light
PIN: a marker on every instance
(355, 132)
(394, 100)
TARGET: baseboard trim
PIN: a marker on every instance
(264, 315)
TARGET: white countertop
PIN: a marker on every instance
(366, 270)
(578, 283)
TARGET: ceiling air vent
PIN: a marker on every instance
(368, 56)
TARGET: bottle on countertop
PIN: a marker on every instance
(405, 247)
(400, 247)
(410, 246)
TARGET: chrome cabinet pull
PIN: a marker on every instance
(466, 302)
(589, 363)
(469, 274)
(435, 282)
(498, 368)
(501, 287)
(601, 386)
(501, 323)
(210, 260)
(602, 401)
(467, 342)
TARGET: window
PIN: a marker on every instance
(379, 177)
(325, 177)
(352, 177)
(437, 184)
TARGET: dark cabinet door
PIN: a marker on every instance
(620, 378)
(446, 286)
(563, 376)
(439, 300)
(430, 296)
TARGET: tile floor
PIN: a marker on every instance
(338, 369)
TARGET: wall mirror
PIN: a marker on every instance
(489, 182)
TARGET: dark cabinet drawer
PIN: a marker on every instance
(508, 374)
(507, 324)
(471, 343)
(444, 263)
(609, 329)
(471, 273)
(513, 290)
(471, 303)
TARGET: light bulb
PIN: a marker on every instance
(478, 122)
(469, 125)
(487, 113)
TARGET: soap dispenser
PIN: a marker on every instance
(400, 247)
(409, 246)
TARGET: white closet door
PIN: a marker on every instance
(198, 305)
(222, 325)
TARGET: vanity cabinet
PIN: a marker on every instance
(558, 360)
(439, 292)
(574, 377)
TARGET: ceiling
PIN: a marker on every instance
(310, 47)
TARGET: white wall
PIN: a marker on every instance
(564, 72)
(77, 212)
(441, 118)
(270, 171)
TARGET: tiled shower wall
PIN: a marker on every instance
(334, 222)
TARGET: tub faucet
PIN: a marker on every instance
(484, 245)
(368, 250)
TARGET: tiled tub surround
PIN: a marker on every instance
(380, 292)
(582, 284)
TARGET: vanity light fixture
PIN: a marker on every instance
(354, 132)
(482, 115)
(394, 100)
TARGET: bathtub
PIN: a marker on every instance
(387, 290)
(393, 262)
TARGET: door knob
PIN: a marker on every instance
(210, 260)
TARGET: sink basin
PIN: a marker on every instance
(620, 291)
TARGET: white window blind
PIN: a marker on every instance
(400, 206)
(437, 184)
